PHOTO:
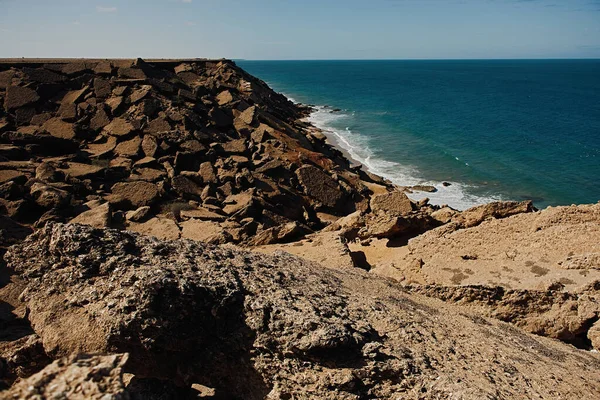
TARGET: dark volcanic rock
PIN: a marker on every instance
(17, 96)
(320, 186)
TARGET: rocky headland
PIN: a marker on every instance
(176, 229)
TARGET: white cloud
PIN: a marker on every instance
(190, 23)
(76, 23)
(186, 1)
(106, 9)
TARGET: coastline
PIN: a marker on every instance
(453, 194)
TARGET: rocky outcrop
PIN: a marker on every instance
(257, 326)
(149, 134)
(537, 270)
(568, 316)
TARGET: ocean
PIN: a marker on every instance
(493, 129)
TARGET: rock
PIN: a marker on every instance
(97, 217)
(182, 68)
(120, 163)
(353, 221)
(114, 103)
(247, 117)
(129, 148)
(75, 68)
(100, 120)
(46, 172)
(320, 186)
(396, 203)
(6, 78)
(133, 194)
(102, 88)
(103, 68)
(139, 215)
(21, 358)
(187, 95)
(192, 146)
(279, 234)
(424, 188)
(149, 145)
(444, 214)
(594, 335)
(139, 94)
(193, 313)
(131, 73)
(24, 115)
(207, 173)
(18, 96)
(42, 75)
(48, 196)
(187, 161)
(148, 174)
(158, 125)
(234, 147)
(76, 377)
(525, 252)
(82, 171)
(119, 127)
(68, 108)
(499, 209)
(224, 97)
(59, 129)
(260, 134)
(102, 149)
(184, 186)
(237, 202)
(382, 226)
(39, 119)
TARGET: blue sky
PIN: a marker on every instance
(301, 29)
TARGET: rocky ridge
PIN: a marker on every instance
(256, 326)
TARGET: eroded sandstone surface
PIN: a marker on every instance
(258, 326)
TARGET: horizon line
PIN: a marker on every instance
(418, 59)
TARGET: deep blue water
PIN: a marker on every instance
(496, 129)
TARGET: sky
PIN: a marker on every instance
(301, 29)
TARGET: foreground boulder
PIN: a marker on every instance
(77, 378)
(255, 326)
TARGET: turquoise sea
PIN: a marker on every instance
(501, 129)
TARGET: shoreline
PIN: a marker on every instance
(454, 194)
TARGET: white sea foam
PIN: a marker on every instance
(358, 147)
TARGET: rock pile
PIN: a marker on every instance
(170, 148)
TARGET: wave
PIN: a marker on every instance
(360, 149)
